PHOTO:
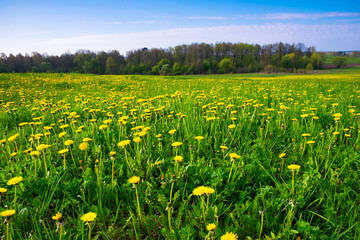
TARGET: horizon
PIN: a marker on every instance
(67, 26)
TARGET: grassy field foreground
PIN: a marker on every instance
(149, 157)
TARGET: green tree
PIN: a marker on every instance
(111, 66)
(316, 60)
(177, 69)
(165, 70)
(339, 61)
(225, 65)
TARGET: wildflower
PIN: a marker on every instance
(137, 140)
(112, 153)
(107, 121)
(124, 143)
(171, 132)
(42, 147)
(7, 213)
(293, 167)
(210, 227)
(199, 138)
(83, 146)
(229, 236)
(3, 190)
(12, 138)
(63, 151)
(233, 156)
(102, 127)
(232, 126)
(68, 142)
(310, 142)
(282, 155)
(87, 139)
(159, 135)
(199, 191)
(176, 144)
(62, 134)
(14, 180)
(88, 217)
(208, 190)
(178, 158)
(57, 216)
(134, 179)
(157, 163)
(224, 147)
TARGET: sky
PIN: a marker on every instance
(56, 27)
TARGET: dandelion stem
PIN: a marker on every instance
(138, 203)
(89, 231)
(60, 231)
(45, 166)
(232, 165)
(7, 230)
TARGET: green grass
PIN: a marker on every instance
(256, 116)
(350, 60)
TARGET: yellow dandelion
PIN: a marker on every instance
(293, 167)
(208, 190)
(68, 142)
(12, 138)
(62, 134)
(199, 191)
(281, 155)
(7, 213)
(171, 132)
(199, 138)
(83, 146)
(14, 180)
(134, 179)
(87, 139)
(229, 236)
(57, 216)
(178, 158)
(176, 144)
(124, 143)
(137, 140)
(63, 151)
(112, 153)
(233, 156)
(210, 227)
(3, 190)
(88, 217)
(102, 127)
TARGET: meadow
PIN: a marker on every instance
(186, 157)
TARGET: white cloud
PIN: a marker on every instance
(207, 18)
(323, 36)
(290, 16)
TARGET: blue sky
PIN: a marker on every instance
(55, 27)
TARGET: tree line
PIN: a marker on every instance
(196, 58)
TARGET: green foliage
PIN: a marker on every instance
(225, 65)
(339, 61)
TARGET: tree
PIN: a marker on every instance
(225, 65)
(339, 61)
(165, 69)
(288, 61)
(177, 69)
(111, 66)
(316, 60)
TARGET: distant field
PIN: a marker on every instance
(350, 60)
(180, 157)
